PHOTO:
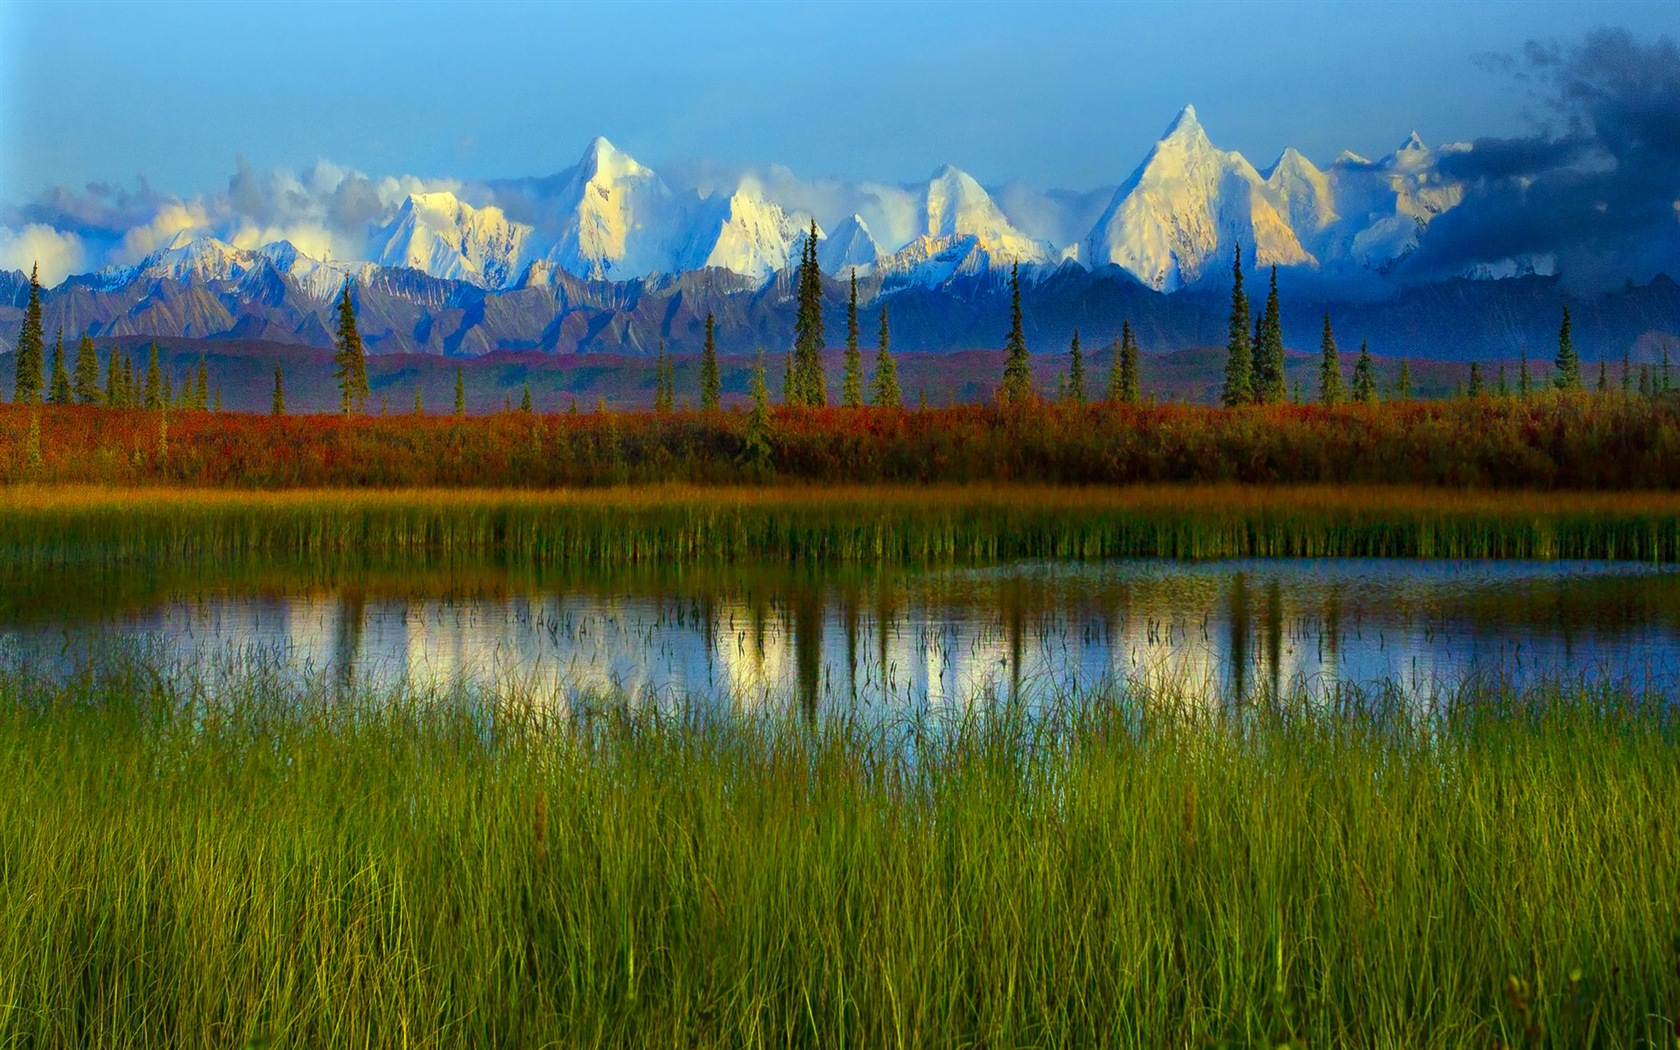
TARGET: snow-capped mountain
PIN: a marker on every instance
(1181, 214)
(321, 280)
(1390, 202)
(849, 246)
(744, 233)
(1175, 222)
(188, 258)
(610, 217)
(439, 234)
(962, 233)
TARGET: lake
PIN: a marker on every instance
(892, 643)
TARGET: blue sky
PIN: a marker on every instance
(1059, 95)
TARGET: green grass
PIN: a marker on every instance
(267, 862)
(868, 525)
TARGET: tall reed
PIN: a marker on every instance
(662, 525)
(272, 864)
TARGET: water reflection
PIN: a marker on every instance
(1224, 631)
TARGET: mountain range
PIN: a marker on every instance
(607, 256)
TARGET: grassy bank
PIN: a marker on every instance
(272, 868)
(905, 525)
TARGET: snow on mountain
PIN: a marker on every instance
(963, 232)
(1305, 198)
(1184, 210)
(196, 259)
(441, 235)
(848, 246)
(1387, 204)
(610, 217)
(319, 279)
(956, 207)
(929, 262)
(1174, 222)
(744, 233)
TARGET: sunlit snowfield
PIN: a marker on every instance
(928, 643)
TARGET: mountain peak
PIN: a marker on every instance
(602, 160)
(1414, 141)
(1184, 124)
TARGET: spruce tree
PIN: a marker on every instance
(1239, 360)
(279, 406)
(201, 396)
(1603, 376)
(419, 406)
(31, 347)
(525, 400)
(1116, 367)
(131, 385)
(1130, 377)
(1566, 370)
(1017, 385)
(1269, 384)
(1403, 381)
(350, 360)
(809, 387)
(1644, 380)
(851, 388)
(756, 445)
(790, 383)
(1329, 367)
(1076, 372)
(661, 392)
(113, 380)
(59, 391)
(1364, 377)
(711, 381)
(1476, 388)
(460, 393)
(85, 380)
(1627, 374)
(1502, 387)
(154, 383)
(1524, 381)
(885, 393)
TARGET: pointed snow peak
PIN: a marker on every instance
(849, 246)
(1413, 142)
(1185, 125)
(604, 161)
(1291, 163)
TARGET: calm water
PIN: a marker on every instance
(907, 641)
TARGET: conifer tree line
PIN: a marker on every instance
(63, 382)
(1254, 367)
(1254, 370)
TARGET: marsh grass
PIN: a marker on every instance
(273, 863)
(667, 525)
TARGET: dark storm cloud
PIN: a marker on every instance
(99, 210)
(354, 203)
(1596, 188)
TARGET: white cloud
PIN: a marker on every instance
(171, 220)
(57, 254)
